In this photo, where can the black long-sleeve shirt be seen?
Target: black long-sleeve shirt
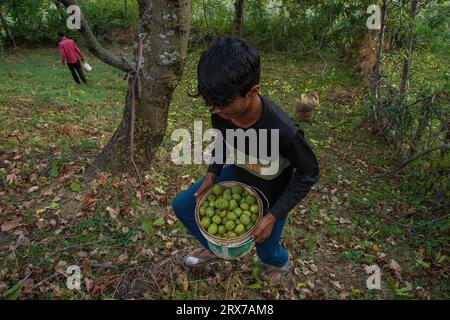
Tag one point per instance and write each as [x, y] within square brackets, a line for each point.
[298, 166]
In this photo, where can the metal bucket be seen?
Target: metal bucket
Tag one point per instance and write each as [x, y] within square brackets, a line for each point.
[229, 249]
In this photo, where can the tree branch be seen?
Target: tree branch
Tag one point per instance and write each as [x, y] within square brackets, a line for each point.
[420, 154]
[95, 47]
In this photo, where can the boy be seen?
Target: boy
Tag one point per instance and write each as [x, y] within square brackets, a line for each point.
[228, 79]
[70, 52]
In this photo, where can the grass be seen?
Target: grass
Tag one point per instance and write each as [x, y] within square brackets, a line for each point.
[50, 129]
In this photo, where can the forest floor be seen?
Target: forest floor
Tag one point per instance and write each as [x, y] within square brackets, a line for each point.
[52, 217]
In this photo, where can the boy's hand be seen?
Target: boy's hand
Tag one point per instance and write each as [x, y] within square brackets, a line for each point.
[210, 179]
[264, 228]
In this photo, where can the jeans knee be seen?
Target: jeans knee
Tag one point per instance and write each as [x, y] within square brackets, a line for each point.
[264, 254]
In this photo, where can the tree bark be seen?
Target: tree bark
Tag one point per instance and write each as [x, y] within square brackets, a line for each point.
[239, 6]
[407, 60]
[163, 28]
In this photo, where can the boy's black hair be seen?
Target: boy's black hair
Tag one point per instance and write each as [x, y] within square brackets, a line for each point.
[228, 69]
[61, 34]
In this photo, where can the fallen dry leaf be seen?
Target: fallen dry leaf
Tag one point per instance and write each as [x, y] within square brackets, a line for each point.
[123, 258]
[344, 220]
[32, 189]
[11, 224]
[185, 283]
[86, 265]
[89, 284]
[113, 213]
[60, 266]
[337, 285]
[46, 192]
[102, 180]
[395, 266]
[169, 245]
[11, 178]
[313, 268]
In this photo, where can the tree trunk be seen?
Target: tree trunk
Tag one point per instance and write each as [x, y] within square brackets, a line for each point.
[164, 27]
[6, 28]
[125, 4]
[407, 60]
[239, 6]
[377, 68]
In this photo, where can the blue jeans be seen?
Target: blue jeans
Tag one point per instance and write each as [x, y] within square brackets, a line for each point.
[270, 252]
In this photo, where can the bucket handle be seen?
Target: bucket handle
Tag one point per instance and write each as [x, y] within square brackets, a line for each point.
[262, 193]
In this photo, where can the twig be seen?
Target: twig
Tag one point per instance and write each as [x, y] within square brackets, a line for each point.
[118, 284]
[46, 280]
[405, 163]
[78, 246]
[156, 282]
[25, 278]
[407, 225]
[432, 98]
[383, 216]
[54, 252]
[135, 88]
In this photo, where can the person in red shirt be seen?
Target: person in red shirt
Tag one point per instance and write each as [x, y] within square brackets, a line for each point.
[70, 53]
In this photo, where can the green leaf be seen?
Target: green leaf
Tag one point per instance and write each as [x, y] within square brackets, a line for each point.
[54, 205]
[334, 199]
[160, 190]
[158, 222]
[422, 263]
[75, 186]
[256, 271]
[54, 172]
[147, 226]
[391, 284]
[402, 292]
[14, 292]
[255, 286]
[315, 211]
[440, 258]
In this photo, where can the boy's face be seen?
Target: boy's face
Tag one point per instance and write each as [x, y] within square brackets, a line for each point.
[239, 106]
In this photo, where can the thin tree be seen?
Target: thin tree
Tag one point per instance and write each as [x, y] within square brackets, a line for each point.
[377, 67]
[6, 28]
[239, 7]
[407, 59]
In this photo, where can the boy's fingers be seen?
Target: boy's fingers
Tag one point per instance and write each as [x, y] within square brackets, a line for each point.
[199, 192]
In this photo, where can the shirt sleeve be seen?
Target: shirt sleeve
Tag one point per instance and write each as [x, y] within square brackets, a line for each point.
[306, 167]
[215, 168]
[78, 51]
